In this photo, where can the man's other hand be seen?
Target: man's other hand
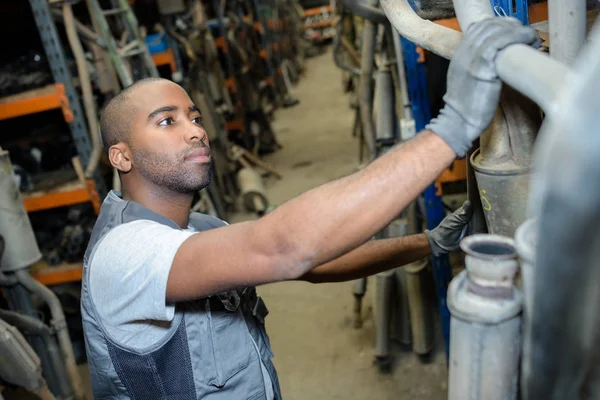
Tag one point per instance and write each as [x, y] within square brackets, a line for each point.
[447, 235]
[473, 87]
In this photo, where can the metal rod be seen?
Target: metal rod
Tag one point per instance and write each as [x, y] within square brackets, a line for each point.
[59, 323]
[365, 94]
[86, 89]
[567, 25]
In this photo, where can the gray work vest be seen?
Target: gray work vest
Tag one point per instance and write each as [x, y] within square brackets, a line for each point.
[209, 355]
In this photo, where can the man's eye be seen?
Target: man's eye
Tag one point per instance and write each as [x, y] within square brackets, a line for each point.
[166, 121]
[197, 120]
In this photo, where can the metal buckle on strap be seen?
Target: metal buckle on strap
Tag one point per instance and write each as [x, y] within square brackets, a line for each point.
[230, 300]
[255, 304]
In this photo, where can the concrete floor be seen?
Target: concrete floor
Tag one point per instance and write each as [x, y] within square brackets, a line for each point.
[318, 353]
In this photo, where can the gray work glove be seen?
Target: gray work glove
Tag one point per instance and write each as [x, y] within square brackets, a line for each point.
[447, 235]
[473, 87]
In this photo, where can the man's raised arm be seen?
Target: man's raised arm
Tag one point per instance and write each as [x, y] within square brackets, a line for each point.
[333, 219]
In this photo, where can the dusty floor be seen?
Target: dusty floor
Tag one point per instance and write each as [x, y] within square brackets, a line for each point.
[318, 353]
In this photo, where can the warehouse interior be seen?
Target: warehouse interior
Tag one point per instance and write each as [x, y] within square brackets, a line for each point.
[294, 95]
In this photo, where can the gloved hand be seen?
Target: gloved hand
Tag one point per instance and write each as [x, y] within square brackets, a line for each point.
[473, 87]
[447, 235]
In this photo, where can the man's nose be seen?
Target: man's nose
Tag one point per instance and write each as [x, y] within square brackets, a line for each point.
[194, 134]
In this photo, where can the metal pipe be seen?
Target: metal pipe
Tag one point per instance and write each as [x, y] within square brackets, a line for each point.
[83, 30]
[562, 360]
[421, 318]
[365, 94]
[384, 104]
[527, 70]
[86, 89]
[367, 11]
[406, 104]
[337, 43]
[384, 285]
[359, 290]
[486, 321]
[534, 74]
[433, 37]
[53, 367]
[469, 12]
[400, 319]
[567, 26]
[59, 324]
[25, 323]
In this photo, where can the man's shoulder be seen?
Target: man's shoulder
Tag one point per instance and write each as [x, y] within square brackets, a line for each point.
[204, 221]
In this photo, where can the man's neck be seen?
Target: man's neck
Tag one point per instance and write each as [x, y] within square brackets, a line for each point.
[173, 205]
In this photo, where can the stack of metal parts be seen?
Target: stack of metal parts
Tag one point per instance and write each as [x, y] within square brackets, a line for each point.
[538, 339]
[28, 71]
[45, 363]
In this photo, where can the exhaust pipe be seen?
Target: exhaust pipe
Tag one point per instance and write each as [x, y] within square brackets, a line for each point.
[502, 164]
[421, 318]
[486, 321]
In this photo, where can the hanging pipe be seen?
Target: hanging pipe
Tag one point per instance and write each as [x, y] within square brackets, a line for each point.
[338, 41]
[384, 286]
[86, 89]
[365, 94]
[527, 70]
[59, 324]
[367, 11]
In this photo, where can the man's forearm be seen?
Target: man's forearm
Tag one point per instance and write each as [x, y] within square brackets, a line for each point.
[333, 219]
[371, 258]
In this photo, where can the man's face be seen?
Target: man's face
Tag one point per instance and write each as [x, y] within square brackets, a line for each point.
[168, 144]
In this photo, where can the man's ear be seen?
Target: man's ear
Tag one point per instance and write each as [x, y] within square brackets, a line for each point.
[120, 157]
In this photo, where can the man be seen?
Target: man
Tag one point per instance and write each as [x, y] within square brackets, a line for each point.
[168, 300]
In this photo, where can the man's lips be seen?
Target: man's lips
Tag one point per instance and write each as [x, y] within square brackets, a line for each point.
[200, 155]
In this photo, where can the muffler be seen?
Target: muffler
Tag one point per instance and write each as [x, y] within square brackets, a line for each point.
[21, 249]
[486, 321]
[502, 164]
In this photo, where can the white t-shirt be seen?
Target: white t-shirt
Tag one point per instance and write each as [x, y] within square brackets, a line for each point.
[128, 283]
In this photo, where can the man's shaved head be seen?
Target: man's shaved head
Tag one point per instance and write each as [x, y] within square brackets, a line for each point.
[153, 134]
[115, 119]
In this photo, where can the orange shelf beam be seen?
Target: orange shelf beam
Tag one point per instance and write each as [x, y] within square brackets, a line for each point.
[318, 25]
[457, 172]
[165, 58]
[63, 273]
[37, 100]
[237, 125]
[317, 10]
[230, 84]
[66, 195]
